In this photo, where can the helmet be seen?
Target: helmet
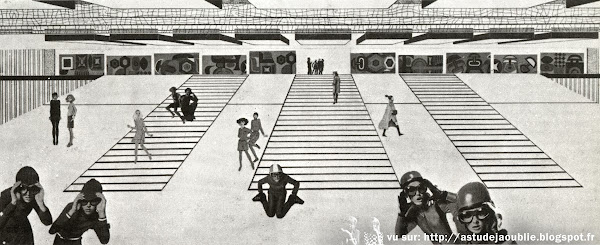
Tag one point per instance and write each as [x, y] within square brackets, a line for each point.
[410, 177]
[275, 168]
[472, 194]
[28, 176]
[90, 188]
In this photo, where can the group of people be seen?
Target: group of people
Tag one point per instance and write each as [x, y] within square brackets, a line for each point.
[247, 138]
[472, 210]
[352, 235]
[87, 211]
[55, 117]
[315, 67]
[188, 103]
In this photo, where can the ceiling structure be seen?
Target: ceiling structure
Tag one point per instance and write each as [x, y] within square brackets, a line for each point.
[231, 16]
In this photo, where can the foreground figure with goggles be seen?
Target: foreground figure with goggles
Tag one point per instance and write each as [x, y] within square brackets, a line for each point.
[87, 211]
[478, 214]
[15, 205]
[276, 204]
[428, 211]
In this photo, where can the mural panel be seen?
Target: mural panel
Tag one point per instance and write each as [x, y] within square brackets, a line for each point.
[176, 63]
[561, 63]
[224, 64]
[373, 63]
[81, 64]
[129, 65]
[518, 63]
[273, 62]
[468, 62]
[420, 63]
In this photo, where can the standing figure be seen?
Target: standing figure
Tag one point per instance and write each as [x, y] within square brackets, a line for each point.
[375, 238]
[322, 65]
[243, 133]
[336, 86]
[478, 214]
[315, 66]
[188, 102]
[140, 134]
[276, 204]
[71, 112]
[55, 116]
[353, 235]
[389, 116]
[309, 64]
[16, 203]
[175, 104]
[87, 211]
[428, 211]
[256, 128]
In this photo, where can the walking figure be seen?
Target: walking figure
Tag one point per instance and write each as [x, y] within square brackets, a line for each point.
[140, 134]
[336, 86]
[243, 133]
[256, 128]
[389, 117]
[175, 104]
[71, 112]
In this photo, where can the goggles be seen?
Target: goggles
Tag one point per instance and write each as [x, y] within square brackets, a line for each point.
[94, 202]
[412, 190]
[480, 213]
[276, 174]
[32, 189]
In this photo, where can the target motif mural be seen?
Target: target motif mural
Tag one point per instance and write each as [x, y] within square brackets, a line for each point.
[561, 63]
[273, 62]
[175, 64]
[373, 63]
[523, 63]
[468, 62]
[129, 65]
[224, 64]
[420, 63]
[81, 64]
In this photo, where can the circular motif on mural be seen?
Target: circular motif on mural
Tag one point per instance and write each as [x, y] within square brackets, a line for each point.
[375, 62]
[287, 69]
[280, 59]
[135, 63]
[389, 62]
[144, 63]
[419, 66]
[125, 61]
[291, 58]
[186, 66]
[114, 63]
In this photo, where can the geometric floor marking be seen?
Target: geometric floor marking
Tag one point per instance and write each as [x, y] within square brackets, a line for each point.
[497, 151]
[170, 145]
[326, 146]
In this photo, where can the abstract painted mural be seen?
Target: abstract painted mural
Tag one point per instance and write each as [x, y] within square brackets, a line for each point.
[129, 65]
[81, 64]
[518, 63]
[468, 62]
[176, 64]
[561, 63]
[273, 62]
[373, 63]
[224, 64]
[420, 63]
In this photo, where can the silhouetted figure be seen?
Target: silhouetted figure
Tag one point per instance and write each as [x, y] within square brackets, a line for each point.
[276, 204]
[55, 116]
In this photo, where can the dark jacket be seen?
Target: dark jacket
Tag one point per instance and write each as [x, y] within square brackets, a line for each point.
[55, 110]
[78, 224]
[278, 187]
[14, 225]
[431, 218]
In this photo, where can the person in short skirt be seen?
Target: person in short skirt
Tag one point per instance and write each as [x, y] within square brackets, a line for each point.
[256, 128]
[243, 133]
[71, 112]
[389, 116]
[140, 134]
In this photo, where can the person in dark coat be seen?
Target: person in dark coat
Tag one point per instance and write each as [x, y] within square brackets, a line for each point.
[86, 212]
[15, 205]
[55, 116]
[188, 102]
[276, 205]
[309, 65]
[175, 96]
[336, 86]
[428, 211]
[479, 215]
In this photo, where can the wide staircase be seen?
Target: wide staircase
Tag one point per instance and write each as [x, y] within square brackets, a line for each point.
[170, 145]
[500, 154]
[323, 145]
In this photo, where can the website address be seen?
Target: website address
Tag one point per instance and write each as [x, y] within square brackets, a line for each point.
[518, 237]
